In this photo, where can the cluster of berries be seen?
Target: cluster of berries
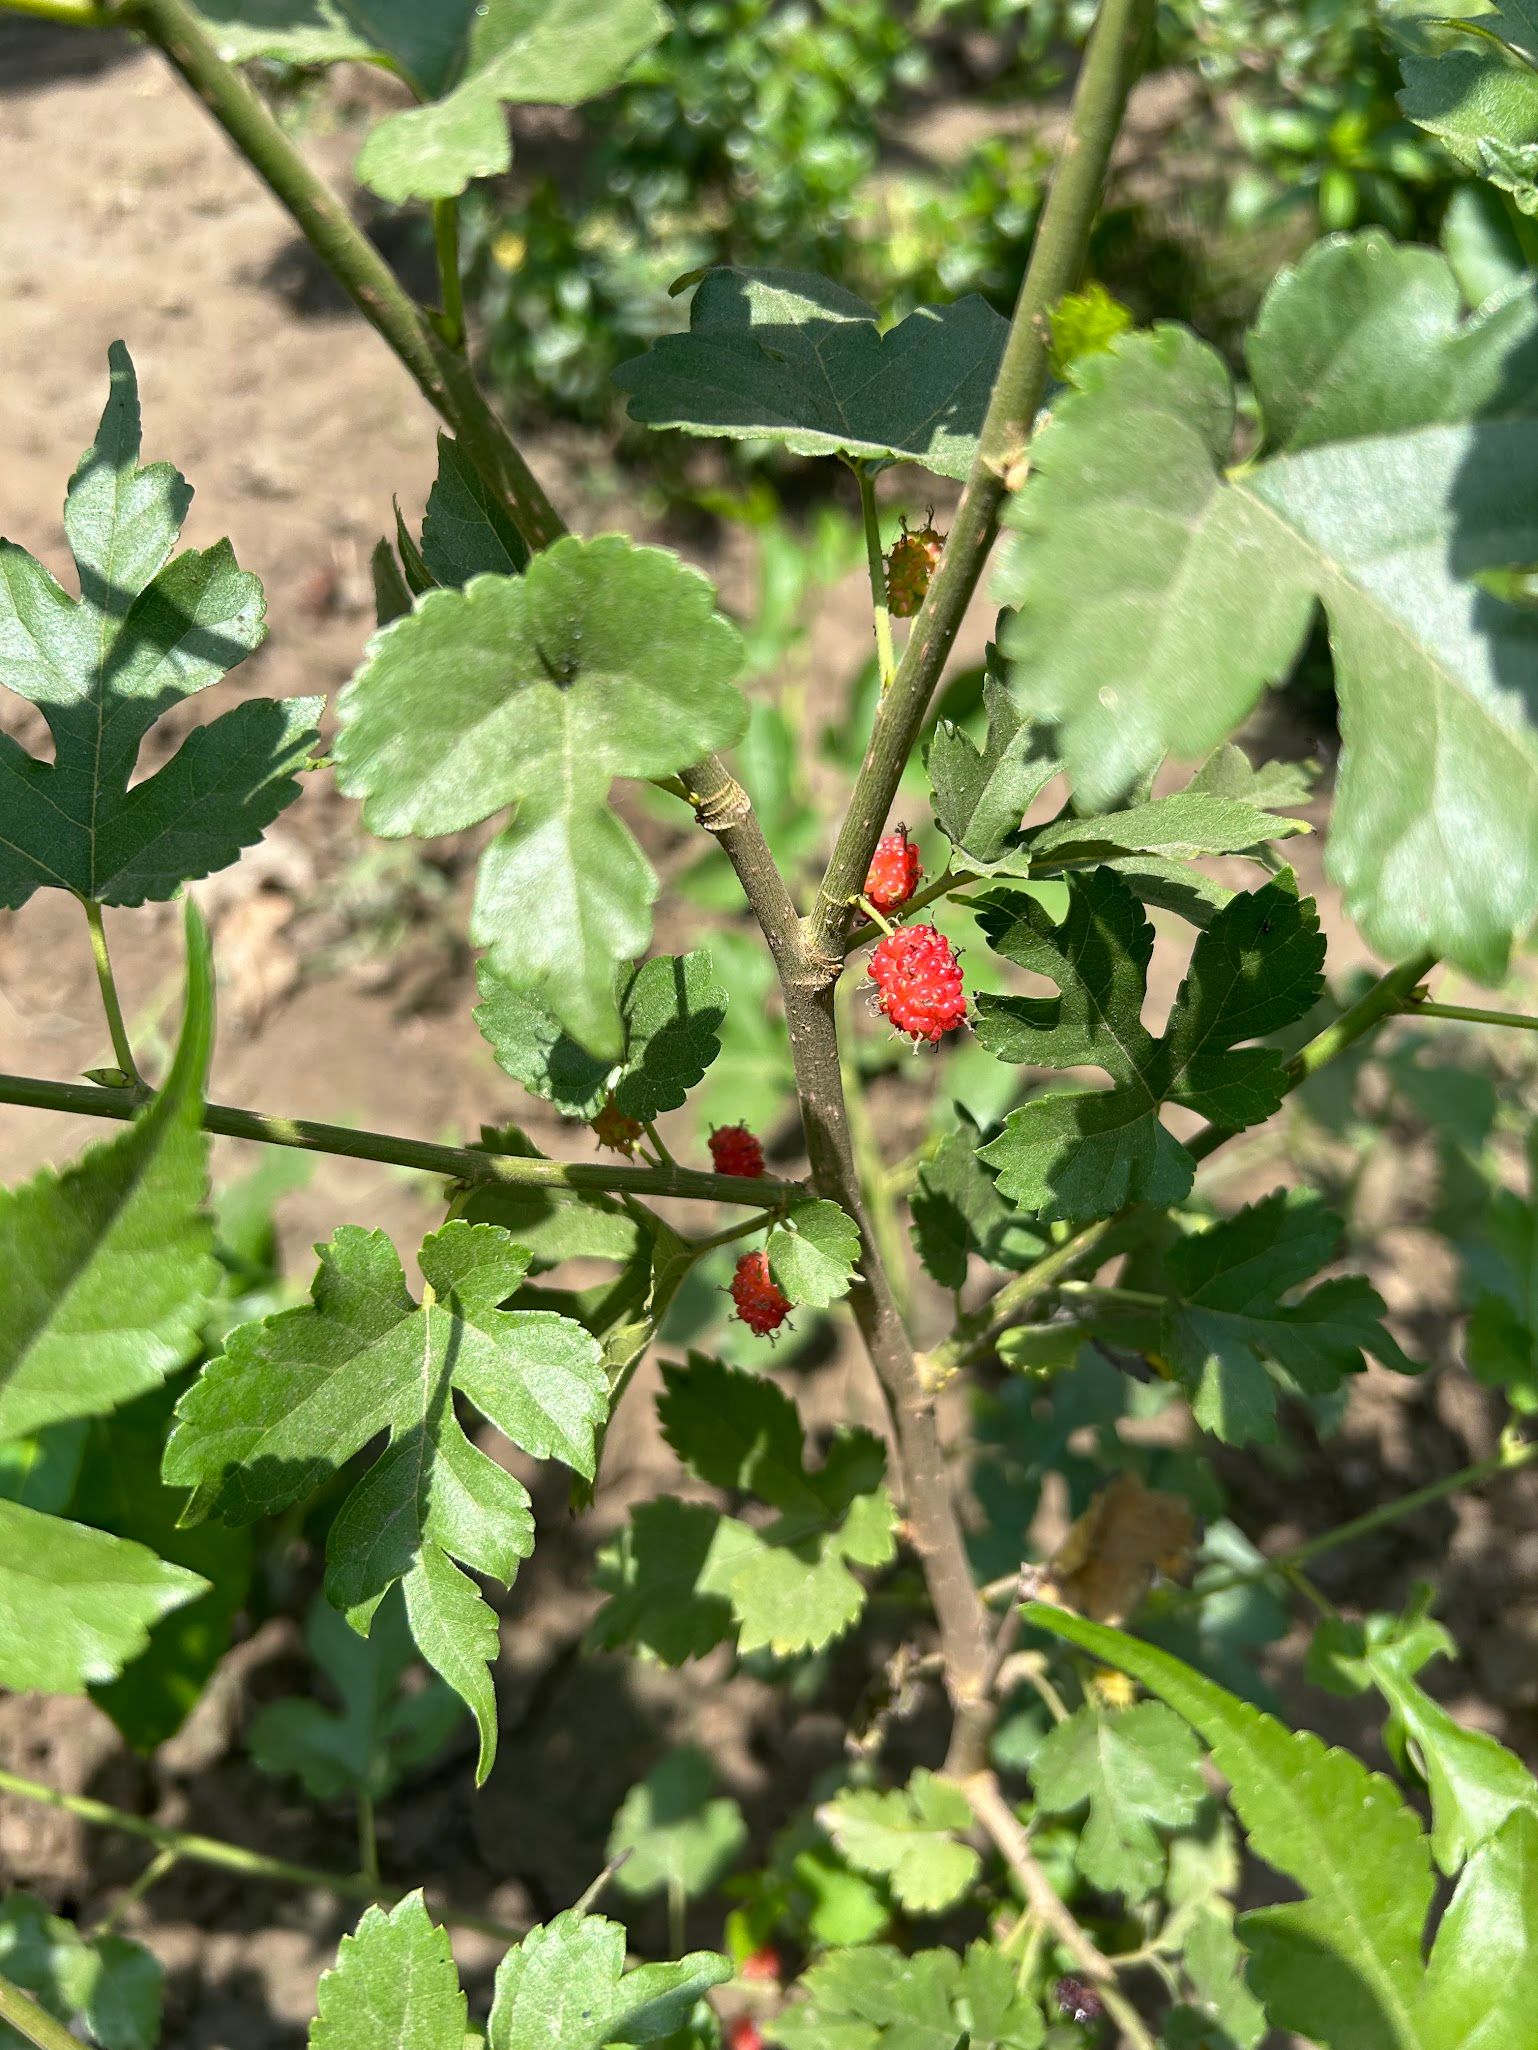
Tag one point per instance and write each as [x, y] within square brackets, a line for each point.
[915, 968]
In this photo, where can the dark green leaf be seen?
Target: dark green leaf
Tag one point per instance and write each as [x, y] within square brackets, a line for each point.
[148, 630]
[1077, 1153]
[957, 1211]
[466, 532]
[1476, 90]
[113, 1986]
[791, 357]
[981, 794]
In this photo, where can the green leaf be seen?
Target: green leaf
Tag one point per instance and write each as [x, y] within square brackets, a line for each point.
[871, 1997]
[565, 1987]
[76, 1606]
[1231, 1335]
[908, 1837]
[1343, 1965]
[1475, 1782]
[671, 1010]
[790, 357]
[377, 1735]
[683, 1575]
[674, 1834]
[111, 1985]
[536, 692]
[1158, 595]
[1482, 1980]
[292, 1399]
[981, 794]
[148, 630]
[1214, 1964]
[957, 1211]
[466, 532]
[1190, 823]
[463, 62]
[119, 1490]
[394, 1986]
[106, 1269]
[1139, 1769]
[1080, 1154]
[1476, 90]
[812, 1252]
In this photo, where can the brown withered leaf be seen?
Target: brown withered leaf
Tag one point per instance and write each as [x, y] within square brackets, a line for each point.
[1107, 1562]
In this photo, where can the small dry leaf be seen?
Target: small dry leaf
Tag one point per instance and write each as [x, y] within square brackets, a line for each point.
[1107, 1562]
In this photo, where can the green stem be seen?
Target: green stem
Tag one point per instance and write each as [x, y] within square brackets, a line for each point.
[442, 374]
[1057, 258]
[368, 1838]
[1511, 1457]
[1104, 1292]
[32, 2021]
[658, 1145]
[1470, 1016]
[121, 1048]
[67, 13]
[458, 1163]
[227, 1857]
[451, 322]
[163, 1862]
[886, 657]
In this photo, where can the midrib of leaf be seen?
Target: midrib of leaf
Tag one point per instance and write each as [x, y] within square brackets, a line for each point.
[1135, 1078]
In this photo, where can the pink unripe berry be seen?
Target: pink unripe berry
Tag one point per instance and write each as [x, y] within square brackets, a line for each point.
[895, 871]
[918, 978]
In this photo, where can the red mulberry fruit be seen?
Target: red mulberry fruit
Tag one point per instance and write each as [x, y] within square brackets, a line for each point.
[761, 1303]
[613, 1129]
[909, 566]
[916, 971]
[895, 871]
[736, 1150]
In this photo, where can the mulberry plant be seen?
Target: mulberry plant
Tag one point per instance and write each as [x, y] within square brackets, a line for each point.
[1023, 1759]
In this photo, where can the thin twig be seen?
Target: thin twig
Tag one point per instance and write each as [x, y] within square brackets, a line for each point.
[1518, 1021]
[451, 292]
[32, 2021]
[886, 658]
[459, 1163]
[228, 1857]
[122, 1048]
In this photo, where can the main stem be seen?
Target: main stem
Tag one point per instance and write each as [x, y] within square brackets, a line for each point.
[121, 1047]
[441, 372]
[1057, 259]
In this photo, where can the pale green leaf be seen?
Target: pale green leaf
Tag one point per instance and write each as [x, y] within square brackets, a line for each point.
[292, 1399]
[147, 630]
[1343, 1965]
[908, 1836]
[106, 1269]
[1475, 88]
[813, 1249]
[1079, 1153]
[464, 60]
[683, 1576]
[1158, 595]
[75, 1604]
[1214, 1963]
[1233, 1330]
[565, 1987]
[791, 357]
[1190, 823]
[1475, 1782]
[675, 1833]
[536, 691]
[1482, 1981]
[1139, 1769]
[394, 1986]
[871, 1997]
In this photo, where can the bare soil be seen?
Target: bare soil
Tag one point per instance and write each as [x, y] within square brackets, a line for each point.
[345, 993]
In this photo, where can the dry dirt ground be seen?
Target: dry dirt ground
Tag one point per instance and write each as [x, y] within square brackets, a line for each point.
[345, 994]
